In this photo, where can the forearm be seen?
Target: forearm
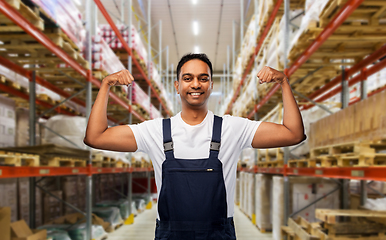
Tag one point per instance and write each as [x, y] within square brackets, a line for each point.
[292, 119]
[97, 122]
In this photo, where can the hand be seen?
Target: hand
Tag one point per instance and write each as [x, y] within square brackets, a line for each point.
[268, 74]
[122, 77]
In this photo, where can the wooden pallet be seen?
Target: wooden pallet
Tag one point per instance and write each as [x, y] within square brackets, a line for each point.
[264, 230]
[330, 215]
[277, 163]
[299, 163]
[343, 148]
[301, 229]
[65, 162]
[32, 15]
[19, 159]
[270, 154]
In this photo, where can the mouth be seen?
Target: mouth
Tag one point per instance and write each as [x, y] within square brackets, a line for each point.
[195, 94]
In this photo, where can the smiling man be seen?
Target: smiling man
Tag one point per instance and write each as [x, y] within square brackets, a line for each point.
[195, 153]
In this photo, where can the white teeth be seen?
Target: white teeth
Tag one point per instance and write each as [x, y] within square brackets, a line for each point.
[195, 94]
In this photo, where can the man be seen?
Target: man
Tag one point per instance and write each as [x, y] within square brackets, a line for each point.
[195, 153]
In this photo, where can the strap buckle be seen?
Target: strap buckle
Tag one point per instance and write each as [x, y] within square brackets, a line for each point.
[168, 146]
[215, 146]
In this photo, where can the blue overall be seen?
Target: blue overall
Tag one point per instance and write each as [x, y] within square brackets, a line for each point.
[192, 202]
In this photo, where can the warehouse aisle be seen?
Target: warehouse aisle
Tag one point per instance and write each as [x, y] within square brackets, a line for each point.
[144, 224]
[245, 230]
[142, 229]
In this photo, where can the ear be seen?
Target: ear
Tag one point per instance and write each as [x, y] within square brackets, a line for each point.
[176, 85]
[211, 85]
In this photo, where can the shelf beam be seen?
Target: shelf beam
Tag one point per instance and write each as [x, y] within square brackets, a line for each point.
[46, 171]
[371, 173]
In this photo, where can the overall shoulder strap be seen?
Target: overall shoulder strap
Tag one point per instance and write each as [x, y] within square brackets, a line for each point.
[167, 137]
[216, 136]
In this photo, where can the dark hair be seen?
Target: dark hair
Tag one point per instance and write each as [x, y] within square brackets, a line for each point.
[191, 56]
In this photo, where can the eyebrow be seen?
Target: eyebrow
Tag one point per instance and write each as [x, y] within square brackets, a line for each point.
[200, 75]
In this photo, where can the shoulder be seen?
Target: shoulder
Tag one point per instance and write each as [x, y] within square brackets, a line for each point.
[234, 120]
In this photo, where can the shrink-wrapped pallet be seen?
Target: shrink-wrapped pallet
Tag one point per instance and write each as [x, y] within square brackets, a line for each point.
[67, 15]
[251, 195]
[109, 36]
[72, 128]
[242, 191]
[313, 8]
[277, 207]
[237, 191]
[263, 199]
[103, 58]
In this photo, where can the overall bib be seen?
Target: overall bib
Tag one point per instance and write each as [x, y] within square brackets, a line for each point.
[192, 202]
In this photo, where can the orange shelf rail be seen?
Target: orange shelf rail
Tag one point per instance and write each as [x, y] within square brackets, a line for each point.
[340, 17]
[373, 173]
[361, 66]
[127, 48]
[25, 96]
[17, 172]
[257, 49]
[29, 28]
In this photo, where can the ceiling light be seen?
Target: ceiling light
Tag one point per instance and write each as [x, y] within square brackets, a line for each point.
[196, 49]
[195, 27]
[194, 2]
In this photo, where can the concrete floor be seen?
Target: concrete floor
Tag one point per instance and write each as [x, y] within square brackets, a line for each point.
[144, 225]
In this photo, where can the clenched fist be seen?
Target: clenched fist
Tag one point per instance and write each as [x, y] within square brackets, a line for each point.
[268, 74]
[122, 77]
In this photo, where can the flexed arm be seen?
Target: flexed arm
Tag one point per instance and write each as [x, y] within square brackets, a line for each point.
[98, 134]
[291, 132]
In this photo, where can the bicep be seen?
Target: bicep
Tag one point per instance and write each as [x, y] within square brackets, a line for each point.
[272, 135]
[118, 138]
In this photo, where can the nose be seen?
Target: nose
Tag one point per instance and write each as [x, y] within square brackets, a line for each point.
[196, 83]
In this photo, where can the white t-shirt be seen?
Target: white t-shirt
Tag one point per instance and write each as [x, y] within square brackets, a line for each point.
[193, 142]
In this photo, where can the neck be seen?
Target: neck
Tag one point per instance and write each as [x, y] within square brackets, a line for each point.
[193, 116]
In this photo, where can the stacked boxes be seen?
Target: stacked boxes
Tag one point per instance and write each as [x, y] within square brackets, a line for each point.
[263, 199]
[8, 196]
[7, 122]
[81, 187]
[52, 207]
[303, 191]
[110, 38]
[103, 58]
[23, 199]
[362, 121]
[70, 193]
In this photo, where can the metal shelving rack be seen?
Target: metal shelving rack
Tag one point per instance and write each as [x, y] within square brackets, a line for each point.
[344, 173]
[89, 171]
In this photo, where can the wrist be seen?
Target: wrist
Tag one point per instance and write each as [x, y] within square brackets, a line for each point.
[285, 81]
[105, 83]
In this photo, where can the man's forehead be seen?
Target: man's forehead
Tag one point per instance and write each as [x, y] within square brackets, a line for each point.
[195, 64]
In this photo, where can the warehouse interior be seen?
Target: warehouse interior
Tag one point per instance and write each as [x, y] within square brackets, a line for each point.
[54, 55]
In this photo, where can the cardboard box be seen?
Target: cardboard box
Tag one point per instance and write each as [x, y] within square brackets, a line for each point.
[5, 223]
[52, 207]
[21, 231]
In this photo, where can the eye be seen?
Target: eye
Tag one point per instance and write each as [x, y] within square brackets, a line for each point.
[187, 78]
[204, 79]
